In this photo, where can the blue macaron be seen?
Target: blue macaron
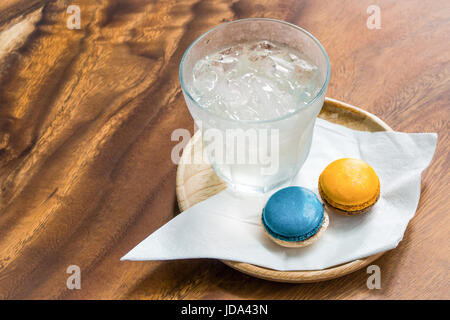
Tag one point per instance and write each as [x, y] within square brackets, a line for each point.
[294, 217]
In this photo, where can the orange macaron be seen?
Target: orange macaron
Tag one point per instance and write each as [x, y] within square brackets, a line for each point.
[349, 186]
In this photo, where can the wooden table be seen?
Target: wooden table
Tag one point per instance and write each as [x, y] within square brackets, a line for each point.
[86, 118]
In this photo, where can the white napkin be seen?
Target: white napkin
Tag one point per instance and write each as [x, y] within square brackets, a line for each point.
[227, 226]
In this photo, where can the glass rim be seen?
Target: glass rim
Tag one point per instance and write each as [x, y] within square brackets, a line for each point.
[286, 116]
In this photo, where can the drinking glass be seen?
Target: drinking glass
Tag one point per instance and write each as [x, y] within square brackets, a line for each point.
[288, 138]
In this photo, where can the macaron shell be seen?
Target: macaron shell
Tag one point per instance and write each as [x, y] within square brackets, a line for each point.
[306, 242]
[349, 184]
[349, 210]
[293, 214]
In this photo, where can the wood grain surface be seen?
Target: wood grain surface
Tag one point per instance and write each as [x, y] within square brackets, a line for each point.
[86, 118]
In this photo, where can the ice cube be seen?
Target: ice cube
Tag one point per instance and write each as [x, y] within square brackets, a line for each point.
[304, 69]
[226, 63]
[263, 46]
[232, 51]
[204, 76]
[262, 50]
[259, 80]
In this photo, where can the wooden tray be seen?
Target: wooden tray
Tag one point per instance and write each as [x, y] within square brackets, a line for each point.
[197, 182]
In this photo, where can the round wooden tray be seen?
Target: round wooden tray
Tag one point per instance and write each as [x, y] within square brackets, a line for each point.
[197, 182]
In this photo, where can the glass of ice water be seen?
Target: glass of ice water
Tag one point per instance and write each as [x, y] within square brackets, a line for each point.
[254, 88]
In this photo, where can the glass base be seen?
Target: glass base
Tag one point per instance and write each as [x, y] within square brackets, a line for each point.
[252, 189]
